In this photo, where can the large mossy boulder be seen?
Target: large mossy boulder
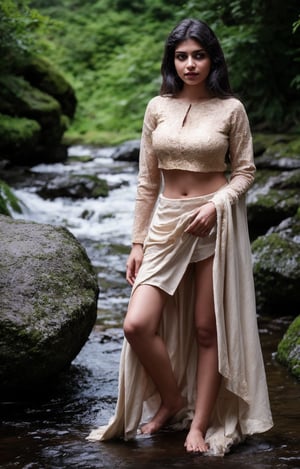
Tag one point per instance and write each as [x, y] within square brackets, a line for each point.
[48, 295]
[36, 104]
[19, 99]
[274, 197]
[274, 223]
[288, 352]
[276, 268]
[41, 74]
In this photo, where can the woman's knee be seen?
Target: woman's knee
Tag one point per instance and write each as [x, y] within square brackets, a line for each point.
[144, 312]
[206, 336]
[131, 328]
[135, 326]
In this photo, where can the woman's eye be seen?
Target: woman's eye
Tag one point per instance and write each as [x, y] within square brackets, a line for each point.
[180, 56]
[196, 56]
[200, 56]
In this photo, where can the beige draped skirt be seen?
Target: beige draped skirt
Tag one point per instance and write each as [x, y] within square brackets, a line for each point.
[242, 406]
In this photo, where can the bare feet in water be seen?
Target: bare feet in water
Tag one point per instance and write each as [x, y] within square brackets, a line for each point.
[195, 442]
[162, 416]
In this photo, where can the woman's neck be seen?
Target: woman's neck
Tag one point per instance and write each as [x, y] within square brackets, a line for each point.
[193, 94]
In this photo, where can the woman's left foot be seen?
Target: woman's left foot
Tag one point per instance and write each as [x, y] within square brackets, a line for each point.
[195, 442]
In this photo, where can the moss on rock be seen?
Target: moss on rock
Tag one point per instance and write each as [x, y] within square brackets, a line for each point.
[42, 74]
[268, 209]
[16, 132]
[285, 144]
[41, 133]
[276, 268]
[290, 181]
[49, 294]
[277, 151]
[18, 97]
[288, 352]
[34, 90]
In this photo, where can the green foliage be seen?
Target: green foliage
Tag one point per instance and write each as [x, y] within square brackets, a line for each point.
[265, 62]
[18, 24]
[110, 50]
[8, 201]
[296, 80]
[296, 25]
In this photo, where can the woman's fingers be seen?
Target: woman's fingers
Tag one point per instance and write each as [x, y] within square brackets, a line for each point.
[133, 264]
[202, 221]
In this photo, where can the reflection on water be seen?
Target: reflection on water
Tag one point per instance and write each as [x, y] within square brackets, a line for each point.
[48, 429]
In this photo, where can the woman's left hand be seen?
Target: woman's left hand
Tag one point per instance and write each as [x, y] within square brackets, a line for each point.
[203, 220]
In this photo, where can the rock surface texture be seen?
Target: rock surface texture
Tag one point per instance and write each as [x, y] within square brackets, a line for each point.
[289, 348]
[48, 292]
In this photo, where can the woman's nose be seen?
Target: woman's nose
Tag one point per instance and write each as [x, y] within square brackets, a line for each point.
[190, 62]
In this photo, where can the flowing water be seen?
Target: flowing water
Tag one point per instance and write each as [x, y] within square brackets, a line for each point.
[48, 429]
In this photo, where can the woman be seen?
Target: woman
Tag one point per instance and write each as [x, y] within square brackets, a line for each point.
[191, 353]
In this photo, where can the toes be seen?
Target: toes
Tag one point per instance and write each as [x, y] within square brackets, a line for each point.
[196, 446]
[191, 448]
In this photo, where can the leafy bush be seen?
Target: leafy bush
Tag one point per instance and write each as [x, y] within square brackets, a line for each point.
[18, 24]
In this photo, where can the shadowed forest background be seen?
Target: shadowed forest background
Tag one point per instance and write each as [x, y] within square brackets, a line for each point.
[110, 51]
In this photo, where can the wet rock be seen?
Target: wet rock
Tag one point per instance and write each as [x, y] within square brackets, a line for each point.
[276, 268]
[277, 162]
[271, 209]
[128, 151]
[274, 197]
[49, 296]
[281, 151]
[287, 180]
[288, 352]
[74, 186]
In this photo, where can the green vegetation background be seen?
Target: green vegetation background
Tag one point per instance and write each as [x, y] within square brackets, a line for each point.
[110, 51]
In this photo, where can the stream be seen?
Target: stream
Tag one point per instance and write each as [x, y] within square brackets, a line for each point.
[48, 430]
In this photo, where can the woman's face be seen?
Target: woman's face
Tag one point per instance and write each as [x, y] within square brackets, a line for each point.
[192, 62]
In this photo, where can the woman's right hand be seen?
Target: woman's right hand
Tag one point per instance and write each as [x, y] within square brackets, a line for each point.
[134, 262]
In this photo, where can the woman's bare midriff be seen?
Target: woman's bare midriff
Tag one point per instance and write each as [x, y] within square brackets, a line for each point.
[183, 184]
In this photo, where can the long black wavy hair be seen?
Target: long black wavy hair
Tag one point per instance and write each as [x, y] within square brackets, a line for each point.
[217, 81]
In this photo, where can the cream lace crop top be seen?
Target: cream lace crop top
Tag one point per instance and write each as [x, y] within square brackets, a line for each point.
[192, 137]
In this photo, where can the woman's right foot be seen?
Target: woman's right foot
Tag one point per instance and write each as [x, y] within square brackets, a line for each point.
[162, 416]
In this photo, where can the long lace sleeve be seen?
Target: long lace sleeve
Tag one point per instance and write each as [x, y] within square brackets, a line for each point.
[149, 179]
[241, 158]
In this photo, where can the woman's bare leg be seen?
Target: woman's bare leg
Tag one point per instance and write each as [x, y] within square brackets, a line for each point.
[140, 329]
[208, 377]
